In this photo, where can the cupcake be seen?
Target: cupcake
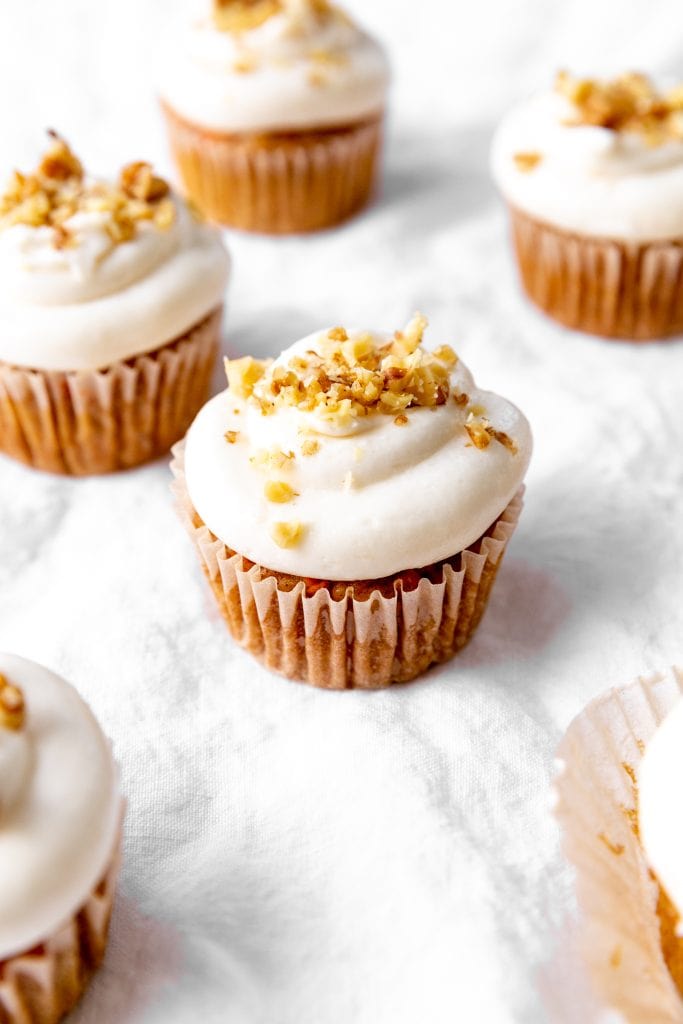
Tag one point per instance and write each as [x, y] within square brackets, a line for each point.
[661, 832]
[274, 111]
[110, 311]
[620, 766]
[60, 818]
[592, 173]
[351, 502]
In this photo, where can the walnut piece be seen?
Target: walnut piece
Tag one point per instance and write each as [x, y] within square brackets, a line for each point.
[279, 492]
[310, 448]
[629, 103]
[12, 708]
[231, 436]
[287, 535]
[243, 15]
[58, 190]
[527, 161]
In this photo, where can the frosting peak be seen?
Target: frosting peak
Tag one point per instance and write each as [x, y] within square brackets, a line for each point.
[354, 455]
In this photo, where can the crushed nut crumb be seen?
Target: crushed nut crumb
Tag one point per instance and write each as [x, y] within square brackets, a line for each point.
[310, 448]
[58, 190]
[12, 708]
[271, 459]
[401, 420]
[231, 436]
[279, 492]
[481, 432]
[527, 161]
[243, 15]
[628, 103]
[287, 535]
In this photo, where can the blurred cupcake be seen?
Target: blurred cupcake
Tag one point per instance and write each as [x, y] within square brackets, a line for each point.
[275, 111]
[60, 817]
[620, 766]
[351, 503]
[110, 309]
[592, 173]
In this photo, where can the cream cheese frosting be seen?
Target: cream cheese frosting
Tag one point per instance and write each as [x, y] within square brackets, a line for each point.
[659, 806]
[369, 496]
[87, 299]
[585, 178]
[300, 69]
[59, 807]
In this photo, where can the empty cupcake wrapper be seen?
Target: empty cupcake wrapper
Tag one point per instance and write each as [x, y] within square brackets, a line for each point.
[98, 421]
[601, 286]
[348, 643]
[44, 984]
[277, 183]
[619, 929]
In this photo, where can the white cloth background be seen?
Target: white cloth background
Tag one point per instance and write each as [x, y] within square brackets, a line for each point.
[298, 857]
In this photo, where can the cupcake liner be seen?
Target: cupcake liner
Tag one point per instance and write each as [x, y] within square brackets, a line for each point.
[45, 983]
[363, 639]
[98, 421]
[601, 286]
[277, 183]
[622, 925]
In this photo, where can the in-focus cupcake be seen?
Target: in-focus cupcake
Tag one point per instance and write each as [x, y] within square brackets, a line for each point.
[592, 173]
[111, 296]
[60, 819]
[351, 502]
[275, 111]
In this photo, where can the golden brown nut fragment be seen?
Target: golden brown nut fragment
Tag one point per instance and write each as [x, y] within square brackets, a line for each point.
[243, 15]
[279, 492]
[12, 708]
[138, 181]
[310, 448]
[287, 535]
[629, 103]
[527, 161]
[231, 436]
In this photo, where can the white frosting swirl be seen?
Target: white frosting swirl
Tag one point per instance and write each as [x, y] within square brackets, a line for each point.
[374, 500]
[92, 304]
[305, 73]
[59, 808]
[589, 180]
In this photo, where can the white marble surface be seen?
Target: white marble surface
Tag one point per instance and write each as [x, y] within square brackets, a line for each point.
[295, 857]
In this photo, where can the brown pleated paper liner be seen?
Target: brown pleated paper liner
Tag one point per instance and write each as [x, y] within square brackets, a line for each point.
[45, 983]
[614, 289]
[363, 639]
[277, 183]
[625, 922]
[98, 421]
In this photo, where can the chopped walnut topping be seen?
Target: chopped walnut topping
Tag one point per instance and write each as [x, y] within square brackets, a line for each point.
[349, 378]
[527, 161]
[12, 708]
[279, 492]
[271, 460]
[287, 535]
[401, 420]
[243, 15]
[58, 190]
[629, 103]
[481, 433]
[231, 436]
[244, 373]
[310, 448]
[460, 398]
[328, 58]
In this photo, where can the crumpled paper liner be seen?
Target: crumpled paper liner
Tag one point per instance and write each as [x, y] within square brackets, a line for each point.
[597, 809]
[45, 983]
[609, 288]
[277, 183]
[348, 643]
[98, 421]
